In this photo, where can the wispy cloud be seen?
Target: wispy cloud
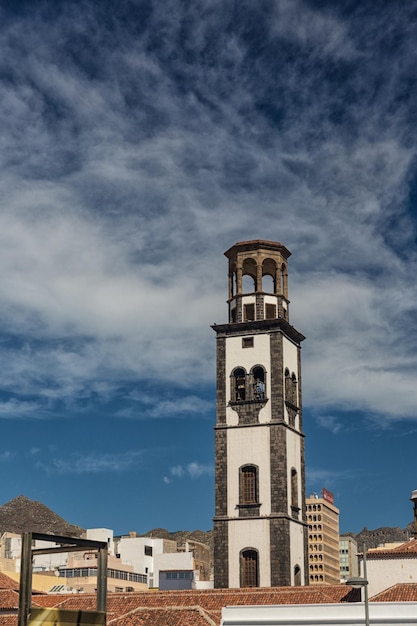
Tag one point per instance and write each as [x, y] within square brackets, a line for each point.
[7, 455]
[14, 408]
[192, 470]
[131, 161]
[92, 463]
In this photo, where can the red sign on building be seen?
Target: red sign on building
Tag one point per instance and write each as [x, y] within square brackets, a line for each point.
[327, 495]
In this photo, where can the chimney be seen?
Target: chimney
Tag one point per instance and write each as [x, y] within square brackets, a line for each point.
[414, 501]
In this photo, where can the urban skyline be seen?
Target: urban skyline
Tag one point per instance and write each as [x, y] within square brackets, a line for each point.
[140, 141]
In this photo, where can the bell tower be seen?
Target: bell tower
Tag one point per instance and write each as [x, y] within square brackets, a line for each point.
[260, 537]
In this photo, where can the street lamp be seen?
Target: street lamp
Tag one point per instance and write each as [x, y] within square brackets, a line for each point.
[358, 581]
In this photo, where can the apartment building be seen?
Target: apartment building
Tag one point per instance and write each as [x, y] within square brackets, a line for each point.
[323, 539]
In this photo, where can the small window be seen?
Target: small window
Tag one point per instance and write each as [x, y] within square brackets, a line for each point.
[270, 311]
[249, 312]
[148, 550]
[247, 342]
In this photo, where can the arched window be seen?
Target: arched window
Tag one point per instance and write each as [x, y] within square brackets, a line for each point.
[268, 284]
[297, 576]
[249, 568]
[248, 485]
[258, 382]
[295, 509]
[290, 388]
[269, 270]
[249, 276]
[239, 385]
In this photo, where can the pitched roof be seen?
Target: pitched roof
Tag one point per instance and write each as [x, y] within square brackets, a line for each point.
[9, 599]
[8, 583]
[195, 608]
[401, 592]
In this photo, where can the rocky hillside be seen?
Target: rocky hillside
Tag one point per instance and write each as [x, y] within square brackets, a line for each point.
[384, 534]
[24, 515]
[203, 536]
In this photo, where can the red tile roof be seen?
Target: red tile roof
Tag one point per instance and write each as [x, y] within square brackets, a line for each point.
[8, 583]
[9, 599]
[401, 592]
[195, 608]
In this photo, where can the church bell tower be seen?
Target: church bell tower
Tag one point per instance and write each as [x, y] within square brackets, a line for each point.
[259, 528]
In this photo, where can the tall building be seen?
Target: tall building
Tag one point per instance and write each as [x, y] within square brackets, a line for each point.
[348, 550]
[323, 539]
[260, 536]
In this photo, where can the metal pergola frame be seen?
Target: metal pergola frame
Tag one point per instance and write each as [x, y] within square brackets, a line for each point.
[68, 544]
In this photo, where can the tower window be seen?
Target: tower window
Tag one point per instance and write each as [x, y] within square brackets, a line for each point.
[248, 484]
[270, 311]
[258, 377]
[247, 342]
[291, 388]
[294, 493]
[249, 310]
[249, 568]
[239, 385]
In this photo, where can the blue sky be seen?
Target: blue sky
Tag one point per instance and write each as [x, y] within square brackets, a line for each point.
[142, 139]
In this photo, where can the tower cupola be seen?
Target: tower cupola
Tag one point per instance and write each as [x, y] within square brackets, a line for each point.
[258, 281]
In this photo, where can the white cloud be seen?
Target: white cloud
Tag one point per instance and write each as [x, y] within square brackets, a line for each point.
[6, 455]
[123, 186]
[192, 470]
[92, 463]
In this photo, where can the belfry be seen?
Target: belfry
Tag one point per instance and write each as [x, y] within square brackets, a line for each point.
[260, 537]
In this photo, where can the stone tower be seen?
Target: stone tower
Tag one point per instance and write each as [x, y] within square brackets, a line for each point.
[260, 536]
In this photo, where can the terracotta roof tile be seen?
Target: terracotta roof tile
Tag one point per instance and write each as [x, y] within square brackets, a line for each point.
[8, 583]
[8, 619]
[401, 592]
[9, 599]
[195, 608]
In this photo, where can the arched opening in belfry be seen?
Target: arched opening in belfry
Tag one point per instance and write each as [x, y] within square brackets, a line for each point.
[269, 270]
[239, 385]
[249, 276]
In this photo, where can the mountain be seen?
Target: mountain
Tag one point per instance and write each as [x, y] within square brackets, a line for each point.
[203, 536]
[24, 515]
[384, 534]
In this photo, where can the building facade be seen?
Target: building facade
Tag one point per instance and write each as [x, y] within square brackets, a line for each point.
[387, 566]
[323, 539]
[348, 550]
[259, 524]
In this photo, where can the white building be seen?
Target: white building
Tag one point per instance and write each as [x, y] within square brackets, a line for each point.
[346, 614]
[388, 566]
[141, 552]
